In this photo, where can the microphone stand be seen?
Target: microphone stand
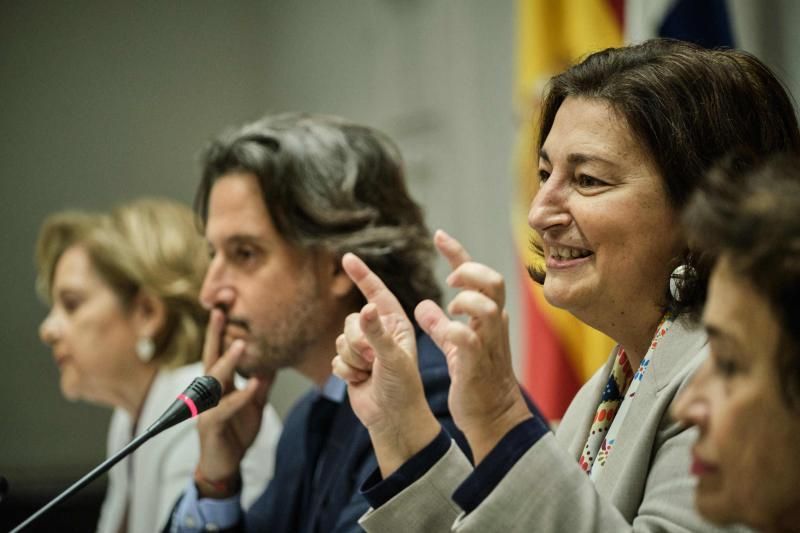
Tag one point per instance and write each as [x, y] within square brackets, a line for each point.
[88, 478]
[203, 393]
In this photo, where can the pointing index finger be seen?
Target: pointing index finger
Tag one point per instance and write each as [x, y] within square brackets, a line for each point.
[370, 285]
[451, 249]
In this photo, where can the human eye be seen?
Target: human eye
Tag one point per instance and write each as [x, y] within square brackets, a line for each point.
[724, 365]
[544, 175]
[71, 303]
[244, 253]
[586, 181]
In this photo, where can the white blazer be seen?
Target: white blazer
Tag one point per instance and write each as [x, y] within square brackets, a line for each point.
[149, 482]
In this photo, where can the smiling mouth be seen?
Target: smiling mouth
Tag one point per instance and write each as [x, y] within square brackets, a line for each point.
[560, 255]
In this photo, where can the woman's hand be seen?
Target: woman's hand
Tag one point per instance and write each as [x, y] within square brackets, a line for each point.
[485, 399]
[377, 356]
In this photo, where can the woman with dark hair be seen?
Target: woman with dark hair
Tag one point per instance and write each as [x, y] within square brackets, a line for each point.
[745, 398]
[626, 137]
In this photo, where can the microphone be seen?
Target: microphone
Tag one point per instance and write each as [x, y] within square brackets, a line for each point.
[203, 393]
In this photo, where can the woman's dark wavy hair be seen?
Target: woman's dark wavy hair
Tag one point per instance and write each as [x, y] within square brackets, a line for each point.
[688, 106]
[332, 185]
[750, 213]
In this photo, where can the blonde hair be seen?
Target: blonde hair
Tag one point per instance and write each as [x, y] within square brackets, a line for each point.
[150, 245]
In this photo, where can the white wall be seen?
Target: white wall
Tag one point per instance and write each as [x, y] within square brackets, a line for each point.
[104, 101]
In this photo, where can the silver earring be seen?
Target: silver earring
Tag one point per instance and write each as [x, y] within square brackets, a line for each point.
[678, 279]
[145, 349]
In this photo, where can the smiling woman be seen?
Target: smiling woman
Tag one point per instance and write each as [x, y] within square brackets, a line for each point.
[595, 179]
[745, 399]
[625, 139]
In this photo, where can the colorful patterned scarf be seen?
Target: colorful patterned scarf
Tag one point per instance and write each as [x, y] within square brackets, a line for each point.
[615, 402]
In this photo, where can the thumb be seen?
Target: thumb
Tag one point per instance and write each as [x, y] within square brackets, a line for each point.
[386, 348]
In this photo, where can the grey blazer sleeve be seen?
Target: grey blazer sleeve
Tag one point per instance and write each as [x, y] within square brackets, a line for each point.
[546, 491]
[644, 487]
[426, 505]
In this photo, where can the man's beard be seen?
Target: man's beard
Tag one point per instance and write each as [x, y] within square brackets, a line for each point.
[289, 338]
[263, 358]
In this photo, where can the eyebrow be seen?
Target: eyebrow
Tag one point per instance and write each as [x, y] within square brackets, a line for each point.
[61, 293]
[239, 239]
[717, 333]
[576, 158]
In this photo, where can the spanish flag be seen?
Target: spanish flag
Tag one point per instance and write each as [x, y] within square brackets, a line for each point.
[560, 351]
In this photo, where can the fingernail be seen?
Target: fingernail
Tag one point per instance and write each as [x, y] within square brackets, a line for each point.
[237, 345]
[368, 354]
[370, 311]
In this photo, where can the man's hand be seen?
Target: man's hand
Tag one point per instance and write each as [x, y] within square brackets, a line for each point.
[377, 356]
[228, 430]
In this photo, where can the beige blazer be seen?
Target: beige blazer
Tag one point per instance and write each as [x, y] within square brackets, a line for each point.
[645, 486]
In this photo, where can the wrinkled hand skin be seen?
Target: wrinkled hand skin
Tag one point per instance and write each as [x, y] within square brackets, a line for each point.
[485, 399]
[377, 357]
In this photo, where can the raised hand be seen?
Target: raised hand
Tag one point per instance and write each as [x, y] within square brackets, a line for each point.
[228, 430]
[377, 356]
[485, 399]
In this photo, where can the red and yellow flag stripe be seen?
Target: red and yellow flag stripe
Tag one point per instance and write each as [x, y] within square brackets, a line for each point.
[560, 352]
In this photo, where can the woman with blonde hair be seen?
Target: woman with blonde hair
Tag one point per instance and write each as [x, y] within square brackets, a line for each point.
[127, 330]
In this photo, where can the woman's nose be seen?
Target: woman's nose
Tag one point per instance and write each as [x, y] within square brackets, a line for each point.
[49, 330]
[691, 406]
[548, 207]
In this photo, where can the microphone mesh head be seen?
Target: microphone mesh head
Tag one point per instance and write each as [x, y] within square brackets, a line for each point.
[205, 391]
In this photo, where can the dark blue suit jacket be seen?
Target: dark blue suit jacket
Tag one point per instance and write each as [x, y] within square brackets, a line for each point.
[346, 462]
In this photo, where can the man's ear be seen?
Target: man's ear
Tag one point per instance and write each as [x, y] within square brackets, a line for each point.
[149, 313]
[341, 284]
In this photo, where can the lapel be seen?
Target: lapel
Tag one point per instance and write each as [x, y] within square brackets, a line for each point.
[674, 352]
[144, 473]
[574, 428]
[335, 461]
[284, 507]
[679, 348]
[672, 355]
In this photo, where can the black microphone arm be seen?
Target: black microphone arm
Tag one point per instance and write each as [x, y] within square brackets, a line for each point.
[202, 394]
